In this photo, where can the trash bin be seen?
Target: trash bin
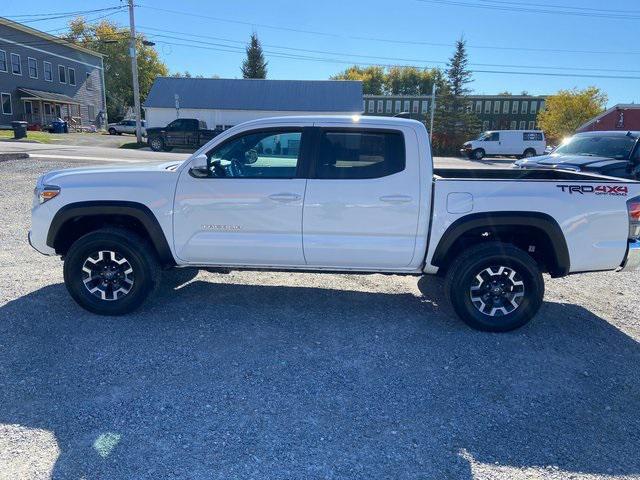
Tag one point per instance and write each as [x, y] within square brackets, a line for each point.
[65, 127]
[57, 127]
[19, 129]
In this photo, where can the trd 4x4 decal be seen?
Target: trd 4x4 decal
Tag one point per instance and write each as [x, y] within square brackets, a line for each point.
[617, 190]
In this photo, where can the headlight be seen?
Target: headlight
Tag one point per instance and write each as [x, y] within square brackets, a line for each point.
[44, 193]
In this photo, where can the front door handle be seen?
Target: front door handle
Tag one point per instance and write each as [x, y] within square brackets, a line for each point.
[396, 199]
[285, 197]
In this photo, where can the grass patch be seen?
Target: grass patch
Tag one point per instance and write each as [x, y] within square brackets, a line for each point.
[133, 145]
[39, 137]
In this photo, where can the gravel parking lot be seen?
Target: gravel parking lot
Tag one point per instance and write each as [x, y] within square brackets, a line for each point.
[306, 376]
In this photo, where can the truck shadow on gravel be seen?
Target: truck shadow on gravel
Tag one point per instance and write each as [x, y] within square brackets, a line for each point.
[248, 381]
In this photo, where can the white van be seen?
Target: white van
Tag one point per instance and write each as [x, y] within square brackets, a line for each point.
[497, 143]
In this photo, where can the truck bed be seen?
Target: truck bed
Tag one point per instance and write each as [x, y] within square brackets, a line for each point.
[520, 174]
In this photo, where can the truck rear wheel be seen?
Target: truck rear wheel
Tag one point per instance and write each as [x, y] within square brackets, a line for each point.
[494, 287]
[110, 271]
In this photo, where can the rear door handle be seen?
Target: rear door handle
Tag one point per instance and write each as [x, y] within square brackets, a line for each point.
[285, 197]
[396, 199]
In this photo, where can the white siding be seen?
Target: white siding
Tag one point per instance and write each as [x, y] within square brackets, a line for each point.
[160, 117]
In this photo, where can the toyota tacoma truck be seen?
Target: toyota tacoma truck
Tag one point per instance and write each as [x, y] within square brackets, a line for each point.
[334, 194]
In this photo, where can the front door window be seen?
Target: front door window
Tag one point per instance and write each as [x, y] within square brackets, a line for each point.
[262, 154]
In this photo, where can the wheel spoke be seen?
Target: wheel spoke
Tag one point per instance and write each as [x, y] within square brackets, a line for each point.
[497, 290]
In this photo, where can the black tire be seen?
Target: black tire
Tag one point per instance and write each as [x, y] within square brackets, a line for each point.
[112, 131]
[528, 153]
[156, 144]
[138, 255]
[478, 154]
[470, 272]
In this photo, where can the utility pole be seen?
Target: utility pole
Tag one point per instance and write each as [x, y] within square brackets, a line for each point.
[433, 111]
[134, 71]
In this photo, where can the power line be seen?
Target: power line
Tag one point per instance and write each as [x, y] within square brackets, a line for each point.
[438, 62]
[232, 49]
[76, 12]
[512, 7]
[548, 5]
[392, 41]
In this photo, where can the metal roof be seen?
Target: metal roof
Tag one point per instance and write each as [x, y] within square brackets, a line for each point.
[254, 94]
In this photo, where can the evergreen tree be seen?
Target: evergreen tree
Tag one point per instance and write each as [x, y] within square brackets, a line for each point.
[254, 65]
[455, 120]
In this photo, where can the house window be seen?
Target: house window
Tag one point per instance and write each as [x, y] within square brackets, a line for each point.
[62, 74]
[379, 106]
[425, 106]
[91, 112]
[407, 105]
[485, 125]
[7, 109]
[16, 66]
[47, 109]
[388, 105]
[496, 106]
[371, 102]
[72, 77]
[398, 106]
[487, 106]
[48, 71]
[479, 106]
[525, 107]
[505, 106]
[515, 106]
[534, 107]
[3, 61]
[542, 103]
[33, 67]
[523, 124]
[513, 125]
[415, 106]
[532, 125]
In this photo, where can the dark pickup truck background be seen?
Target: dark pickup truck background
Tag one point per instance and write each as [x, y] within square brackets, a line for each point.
[182, 132]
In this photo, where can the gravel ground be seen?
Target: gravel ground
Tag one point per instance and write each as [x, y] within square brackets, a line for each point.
[291, 376]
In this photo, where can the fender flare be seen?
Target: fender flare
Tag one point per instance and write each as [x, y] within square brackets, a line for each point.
[140, 212]
[494, 221]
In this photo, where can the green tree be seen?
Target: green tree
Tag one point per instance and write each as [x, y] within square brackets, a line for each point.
[411, 80]
[455, 121]
[254, 66]
[112, 41]
[372, 78]
[565, 111]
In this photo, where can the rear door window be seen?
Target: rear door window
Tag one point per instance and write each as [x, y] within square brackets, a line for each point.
[360, 154]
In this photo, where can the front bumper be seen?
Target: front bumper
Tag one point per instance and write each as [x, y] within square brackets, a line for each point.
[465, 151]
[631, 260]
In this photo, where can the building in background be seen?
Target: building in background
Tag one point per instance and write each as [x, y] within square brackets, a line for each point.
[223, 103]
[43, 77]
[495, 112]
[619, 117]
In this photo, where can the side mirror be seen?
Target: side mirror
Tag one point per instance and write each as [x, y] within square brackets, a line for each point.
[200, 166]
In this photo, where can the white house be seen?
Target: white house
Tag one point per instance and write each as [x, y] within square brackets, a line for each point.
[223, 103]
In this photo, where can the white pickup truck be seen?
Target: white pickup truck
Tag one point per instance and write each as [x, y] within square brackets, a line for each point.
[334, 194]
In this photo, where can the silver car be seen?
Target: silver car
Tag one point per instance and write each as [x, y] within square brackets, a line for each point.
[126, 126]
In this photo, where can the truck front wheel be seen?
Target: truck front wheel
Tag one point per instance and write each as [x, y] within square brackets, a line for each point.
[156, 144]
[494, 287]
[110, 271]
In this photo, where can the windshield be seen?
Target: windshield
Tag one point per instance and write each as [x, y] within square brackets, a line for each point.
[617, 146]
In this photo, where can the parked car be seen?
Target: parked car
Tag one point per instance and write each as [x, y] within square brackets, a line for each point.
[126, 126]
[615, 154]
[334, 194]
[501, 143]
[182, 133]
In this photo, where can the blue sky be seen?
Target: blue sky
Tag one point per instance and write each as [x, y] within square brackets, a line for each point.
[416, 32]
